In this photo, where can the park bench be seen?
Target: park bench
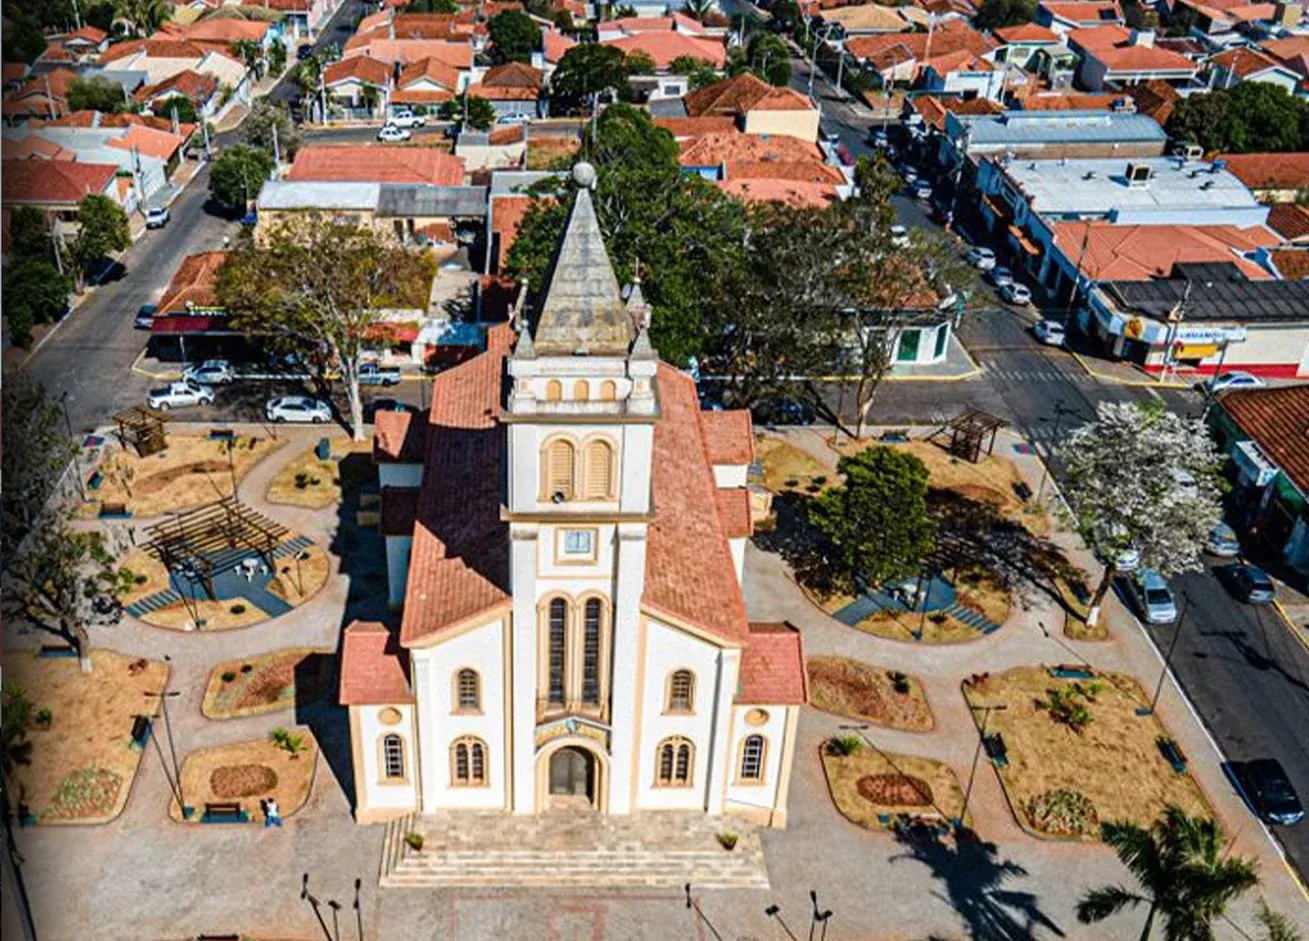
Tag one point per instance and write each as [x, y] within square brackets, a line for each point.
[114, 511]
[57, 650]
[95, 481]
[1072, 673]
[224, 813]
[1172, 753]
[141, 726]
[221, 434]
[996, 749]
[894, 436]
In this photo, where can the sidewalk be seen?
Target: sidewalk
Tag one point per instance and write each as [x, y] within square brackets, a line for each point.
[1123, 373]
[957, 366]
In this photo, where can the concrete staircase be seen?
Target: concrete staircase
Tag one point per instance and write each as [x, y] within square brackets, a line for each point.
[647, 850]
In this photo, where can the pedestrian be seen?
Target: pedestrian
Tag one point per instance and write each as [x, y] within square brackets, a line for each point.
[227, 242]
[272, 814]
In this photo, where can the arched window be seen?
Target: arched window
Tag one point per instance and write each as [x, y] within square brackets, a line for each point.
[468, 691]
[676, 759]
[560, 459]
[554, 390]
[581, 390]
[468, 763]
[393, 756]
[599, 480]
[681, 691]
[608, 390]
[753, 750]
[592, 619]
[558, 645]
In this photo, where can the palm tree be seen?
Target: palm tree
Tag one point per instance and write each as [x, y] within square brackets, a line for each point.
[1277, 925]
[698, 9]
[250, 53]
[1184, 875]
[370, 96]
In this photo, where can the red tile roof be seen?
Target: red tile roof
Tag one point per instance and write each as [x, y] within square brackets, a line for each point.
[1293, 263]
[199, 88]
[399, 437]
[1275, 419]
[226, 30]
[34, 147]
[513, 81]
[1071, 101]
[149, 141]
[555, 44]
[507, 214]
[729, 436]
[195, 281]
[734, 512]
[358, 69]
[88, 34]
[376, 163]
[1270, 171]
[155, 49]
[432, 69]
[795, 193]
[53, 181]
[1141, 252]
[1027, 32]
[373, 667]
[743, 93]
[1155, 99]
[1290, 221]
[663, 48]
[710, 150]
[773, 667]
[888, 49]
[399, 511]
[456, 54]
[1244, 61]
[682, 128]
[1085, 11]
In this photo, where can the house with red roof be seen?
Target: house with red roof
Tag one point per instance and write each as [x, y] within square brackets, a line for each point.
[55, 186]
[1078, 14]
[756, 107]
[512, 88]
[201, 90]
[1273, 177]
[425, 85]
[572, 633]
[665, 46]
[1247, 64]
[40, 96]
[75, 48]
[898, 57]
[1117, 56]
[376, 163]
[358, 82]
[1019, 44]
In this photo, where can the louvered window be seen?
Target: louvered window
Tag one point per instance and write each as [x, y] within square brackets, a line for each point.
[559, 459]
[599, 470]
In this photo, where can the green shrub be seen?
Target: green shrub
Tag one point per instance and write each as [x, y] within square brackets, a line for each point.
[237, 609]
[414, 841]
[228, 676]
[845, 745]
[728, 840]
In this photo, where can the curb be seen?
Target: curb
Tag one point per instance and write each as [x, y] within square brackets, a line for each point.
[173, 375]
[1137, 383]
[1290, 625]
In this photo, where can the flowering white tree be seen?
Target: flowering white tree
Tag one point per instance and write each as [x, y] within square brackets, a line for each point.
[1141, 477]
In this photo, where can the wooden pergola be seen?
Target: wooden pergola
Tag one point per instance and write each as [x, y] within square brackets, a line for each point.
[968, 431]
[213, 538]
[141, 429]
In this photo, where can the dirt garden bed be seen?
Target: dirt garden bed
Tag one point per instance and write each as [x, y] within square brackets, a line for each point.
[869, 693]
[1063, 783]
[296, 581]
[267, 683]
[309, 482]
[880, 790]
[789, 468]
[247, 772]
[82, 764]
[192, 470]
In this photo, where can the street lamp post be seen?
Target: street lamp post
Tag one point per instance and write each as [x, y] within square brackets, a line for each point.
[1168, 656]
[817, 917]
[163, 698]
[977, 753]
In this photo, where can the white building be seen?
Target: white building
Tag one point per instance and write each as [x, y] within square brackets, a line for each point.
[566, 534]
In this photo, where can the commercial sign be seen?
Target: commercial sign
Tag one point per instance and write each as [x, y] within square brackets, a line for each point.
[1155, 333]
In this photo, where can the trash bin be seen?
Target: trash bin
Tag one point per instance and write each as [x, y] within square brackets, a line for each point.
[324, 449]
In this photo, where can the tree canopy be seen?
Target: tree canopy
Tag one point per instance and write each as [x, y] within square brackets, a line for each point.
[257, 128]
[585, 70]
[431, 6]
[35, 293]
[1252, 117]
[237, 175]
[514, 36]
[876, 522]
[481, 113]
[700, 71]
[639, 63]
[102, 228]
[315, 286]
[997, 14]
[28, 235]
[183, 106]
[766, 55]
[96, 94]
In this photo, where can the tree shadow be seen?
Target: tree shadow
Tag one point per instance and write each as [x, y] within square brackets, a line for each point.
[801, 546]
[973, 879]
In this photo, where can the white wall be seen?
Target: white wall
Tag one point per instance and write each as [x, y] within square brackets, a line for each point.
[397, 568]
[669, 649]
[761, 796]
[737, 546]
[731, 475]
[434, 672]
[399, 475]
[377, 793]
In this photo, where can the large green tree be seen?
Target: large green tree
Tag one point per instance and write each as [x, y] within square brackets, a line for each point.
[876, 521]
[445, 7]
[96, 94]
[481, 113]
[316, 286]
[35, 293]
[997, 14]
[237, 175]
[1253, 117]
[36, 450]
[179, 105]
[766, 55]
[587, 70]
[514, 36]
[265, 118]
[1185, 876]
[700, 71]
[29, 237]
[102, 228]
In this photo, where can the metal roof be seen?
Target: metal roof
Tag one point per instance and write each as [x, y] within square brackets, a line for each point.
[1242, 301]
[420, 199]
[516, 182]
[1054, 127]
[296, 194]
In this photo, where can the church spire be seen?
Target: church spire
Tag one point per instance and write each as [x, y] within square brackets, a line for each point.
[582, 312]
[637, 308]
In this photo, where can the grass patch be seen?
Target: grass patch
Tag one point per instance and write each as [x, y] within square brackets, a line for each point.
[1076, 612]
[83, 765]
[266, 683]
[309, 482]
[191, 471]
[228, 773]
[879, 790]
[863, 691]
[1113, 762]
[550, 153]
[790, 468]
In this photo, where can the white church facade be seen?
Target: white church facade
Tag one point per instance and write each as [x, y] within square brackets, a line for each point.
[565, 537]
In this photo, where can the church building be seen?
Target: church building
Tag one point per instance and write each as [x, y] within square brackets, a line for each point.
[565, 539]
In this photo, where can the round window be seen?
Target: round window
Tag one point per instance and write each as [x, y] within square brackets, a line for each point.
[389, 716]
[756, 717]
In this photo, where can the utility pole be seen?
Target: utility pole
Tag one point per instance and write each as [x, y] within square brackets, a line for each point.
[1168, 657]
[981, 741]
[277, 150]
[1175, 318]
[163, 698]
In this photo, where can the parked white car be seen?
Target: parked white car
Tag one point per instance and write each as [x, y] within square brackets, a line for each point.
[981, 258]
[1155, 597]
[514, 119]
[1049, 332]
[1233, 380]
[210, 372]
[1021, 295]
[297, 408]
[180, 395]
[922, 189]
[899, 236]
[1000, 276]
[393, 135]
[406, 119]
[157, 217]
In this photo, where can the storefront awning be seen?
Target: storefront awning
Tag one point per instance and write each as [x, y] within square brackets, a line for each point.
[1196, 350]
[1023, 241]
[191, 325]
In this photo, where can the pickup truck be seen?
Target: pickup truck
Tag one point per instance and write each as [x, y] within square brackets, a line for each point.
[371, 374]
[180, 395]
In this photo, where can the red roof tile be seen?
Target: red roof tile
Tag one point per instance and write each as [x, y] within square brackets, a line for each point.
[149, 141]
[682, 128]
[710, 150]
[1244, 61]
[1275, 419]
[456, 54]
[376, 163]
[1085, 11]
[663, 48]
[1270, 171]
[199, 88]
[1141, 252]
[432, 69]
[728, 435]
[1290, 221]
[950, 36]
[373, 667]
[399, 437]
[741, 94]
[734, 512]
[773, 667]
[1070, 101]
[53, 181]
[194, 282]
[358, 69]
[1027, 32]
[795, 193]
[1293, 263]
